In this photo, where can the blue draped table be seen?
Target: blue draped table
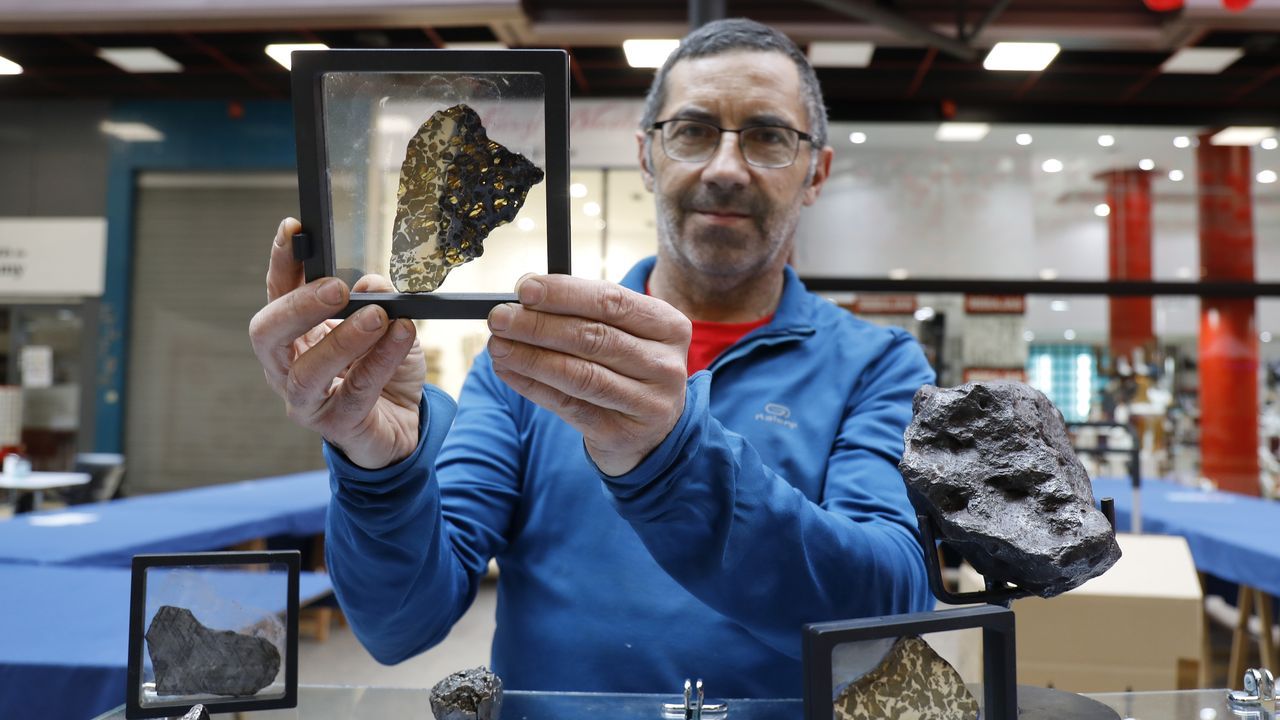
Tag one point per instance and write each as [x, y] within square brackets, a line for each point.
[64, 638]
[207, 518]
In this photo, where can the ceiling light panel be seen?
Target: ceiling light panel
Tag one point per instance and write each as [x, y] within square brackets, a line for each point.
[475, 46]
[648, 53]
[1201, 61]
[961, 132]
[1241, 135]
[131, 131]
[1021, 56]
[841, 54]
[9, 67]
[140, 60]
[281, 52]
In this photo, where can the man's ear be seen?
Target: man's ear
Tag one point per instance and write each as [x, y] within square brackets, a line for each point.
[821, 171]
[646, 170]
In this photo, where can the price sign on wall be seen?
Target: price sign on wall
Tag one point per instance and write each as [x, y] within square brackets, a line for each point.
[53, 257]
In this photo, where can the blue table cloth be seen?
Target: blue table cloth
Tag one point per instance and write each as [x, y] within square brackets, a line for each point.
[207, 518]
[64, 639]
[1234, 537]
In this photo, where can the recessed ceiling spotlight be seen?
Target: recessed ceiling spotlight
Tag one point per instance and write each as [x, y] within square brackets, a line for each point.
[1269, 143]
[1028, 336]
[1146, 164]
[961, 132]
[1048, 274]
[282, 52]
[1264, 336]
[1241, 135]
[591, 209]
[899, 274]
[525, 224]
[857, 138]
[1266, 177]
[1059, 306]
[1052, 165]
[1176, 175]
[1102, 209]
[1023, 56]
[1182, 141]
[1106, 140]
[648, 53]
[1068, 334]
[578, 190]
[1023, 139]
[1184, 272]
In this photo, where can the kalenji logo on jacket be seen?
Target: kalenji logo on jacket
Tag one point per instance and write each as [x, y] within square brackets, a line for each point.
[777, 414]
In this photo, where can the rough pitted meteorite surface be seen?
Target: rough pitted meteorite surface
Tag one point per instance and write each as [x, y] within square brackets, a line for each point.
[456, 186]
[199, 712]
[191, 659]
[912, 683]
[993, 466]
[474, 694]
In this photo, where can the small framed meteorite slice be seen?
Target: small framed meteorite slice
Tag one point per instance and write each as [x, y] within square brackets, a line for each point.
[445, 171]
[216, 629]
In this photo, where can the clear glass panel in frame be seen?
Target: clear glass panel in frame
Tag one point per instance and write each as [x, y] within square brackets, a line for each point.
[214, 634]
[369, 120]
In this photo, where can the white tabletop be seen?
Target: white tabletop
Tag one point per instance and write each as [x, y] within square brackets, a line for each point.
[36, 480]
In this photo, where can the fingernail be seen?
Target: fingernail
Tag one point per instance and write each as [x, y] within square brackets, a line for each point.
[402, 330]
[500, 317]
[330, 291]
[369, 318]
[530, 291]
[499, 348]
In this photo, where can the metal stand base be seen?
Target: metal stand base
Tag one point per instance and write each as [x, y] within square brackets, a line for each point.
[1037, 703]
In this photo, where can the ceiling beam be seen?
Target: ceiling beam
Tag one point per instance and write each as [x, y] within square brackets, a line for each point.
[993, 12]
[901, 25]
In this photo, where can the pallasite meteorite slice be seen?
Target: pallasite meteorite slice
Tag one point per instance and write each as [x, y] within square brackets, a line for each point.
[474, 694]
[191, 659]
[993, 466]
[456, 186]
[912, 683]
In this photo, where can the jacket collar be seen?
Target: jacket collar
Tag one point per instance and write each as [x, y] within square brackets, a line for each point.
[793, 312]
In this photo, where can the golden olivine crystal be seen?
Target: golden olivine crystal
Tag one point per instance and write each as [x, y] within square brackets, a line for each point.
[912, 682]
[456, 186]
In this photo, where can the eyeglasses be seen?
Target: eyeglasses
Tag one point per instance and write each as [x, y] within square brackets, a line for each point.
[766, 146]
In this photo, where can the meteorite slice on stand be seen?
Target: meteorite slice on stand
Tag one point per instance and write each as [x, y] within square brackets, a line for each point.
[912, 681]
[456, 186]
[992, 465]
[191, 659]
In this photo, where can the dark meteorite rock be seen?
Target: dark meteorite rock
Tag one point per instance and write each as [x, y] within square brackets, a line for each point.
[197, 713]
[474, 694]
[190, 658]
[992, 465]
[912, 681]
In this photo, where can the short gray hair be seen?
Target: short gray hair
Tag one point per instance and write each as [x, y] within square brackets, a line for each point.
[722, 36]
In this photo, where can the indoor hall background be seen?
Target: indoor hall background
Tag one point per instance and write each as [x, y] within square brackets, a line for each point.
[198, 408]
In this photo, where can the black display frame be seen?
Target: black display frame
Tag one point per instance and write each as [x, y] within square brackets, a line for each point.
[999, 655]
[314, 246]
[291, 559]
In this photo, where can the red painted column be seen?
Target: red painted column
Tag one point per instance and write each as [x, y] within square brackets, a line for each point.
[1228, 337]
[1129, 258]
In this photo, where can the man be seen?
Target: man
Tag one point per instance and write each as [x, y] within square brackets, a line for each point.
[649, 526]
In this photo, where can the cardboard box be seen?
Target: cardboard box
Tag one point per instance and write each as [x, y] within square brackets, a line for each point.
[1124, 631]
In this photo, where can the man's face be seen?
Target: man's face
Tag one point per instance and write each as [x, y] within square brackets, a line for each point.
[724, 218]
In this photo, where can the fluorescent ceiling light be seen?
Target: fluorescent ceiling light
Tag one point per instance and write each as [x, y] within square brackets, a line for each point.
[140, 60]
[961, 132]
[9, 67]
[131, 131]
[1241, 135]
[1201, 61]
[1025, 56]
[280, 52]
[648, 53]
[841, 54]
[476, 46]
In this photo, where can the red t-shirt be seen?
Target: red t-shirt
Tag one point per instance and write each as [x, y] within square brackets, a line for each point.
[712, 338]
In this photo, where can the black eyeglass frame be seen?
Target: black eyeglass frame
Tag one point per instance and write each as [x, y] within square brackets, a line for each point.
[800, 134]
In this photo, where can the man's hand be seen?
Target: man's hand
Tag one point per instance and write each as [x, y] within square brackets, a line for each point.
[358, 381]
[608, 361]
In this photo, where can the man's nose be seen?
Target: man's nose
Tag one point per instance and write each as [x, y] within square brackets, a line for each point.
[727, 166]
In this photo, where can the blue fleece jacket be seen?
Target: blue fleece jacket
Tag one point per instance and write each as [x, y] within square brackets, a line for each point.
[774, 502]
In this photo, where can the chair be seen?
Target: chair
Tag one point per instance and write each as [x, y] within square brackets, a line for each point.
[106, 473]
